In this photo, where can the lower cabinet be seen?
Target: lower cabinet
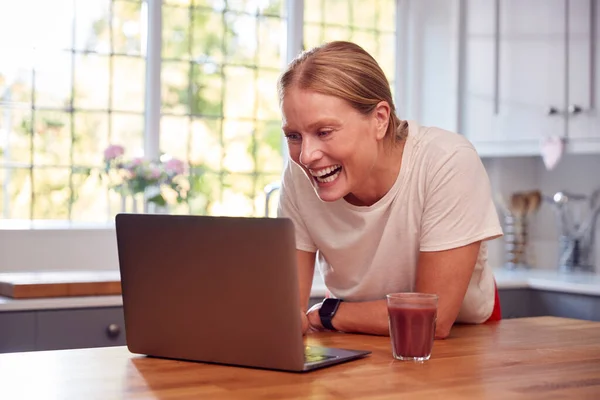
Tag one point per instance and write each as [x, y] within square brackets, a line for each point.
[17, 331]
[518, 303]
[61, 329]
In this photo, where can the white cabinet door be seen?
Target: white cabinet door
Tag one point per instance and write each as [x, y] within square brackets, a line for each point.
[429, 62]
[514, 74]
[584, 87]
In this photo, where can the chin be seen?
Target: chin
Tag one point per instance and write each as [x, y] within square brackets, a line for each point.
[328, 194]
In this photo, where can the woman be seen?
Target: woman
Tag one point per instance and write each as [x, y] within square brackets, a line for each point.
[382, 205]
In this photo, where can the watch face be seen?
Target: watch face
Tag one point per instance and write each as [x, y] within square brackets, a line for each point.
[329, 307]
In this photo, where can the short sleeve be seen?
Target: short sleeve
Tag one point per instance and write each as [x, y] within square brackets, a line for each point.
[458, 208]
[288, 208]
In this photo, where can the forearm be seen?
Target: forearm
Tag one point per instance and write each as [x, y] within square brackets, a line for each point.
[306, 271]
[370, 317]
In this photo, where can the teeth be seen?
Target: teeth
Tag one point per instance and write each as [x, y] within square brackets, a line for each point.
[329, 178]
[324, 171]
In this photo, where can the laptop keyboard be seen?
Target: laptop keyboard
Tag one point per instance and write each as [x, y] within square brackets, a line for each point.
[312, 355]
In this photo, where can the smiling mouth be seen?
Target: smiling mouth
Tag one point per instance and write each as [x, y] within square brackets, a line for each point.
[327, 174]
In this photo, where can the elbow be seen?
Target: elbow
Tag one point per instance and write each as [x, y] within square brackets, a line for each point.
[442, 330]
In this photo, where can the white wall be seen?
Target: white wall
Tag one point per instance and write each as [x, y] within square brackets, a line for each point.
[574, 173]
[58, 249]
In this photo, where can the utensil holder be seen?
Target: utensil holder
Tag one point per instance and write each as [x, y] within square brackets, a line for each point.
[515, 238]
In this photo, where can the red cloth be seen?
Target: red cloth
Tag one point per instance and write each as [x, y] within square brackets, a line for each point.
[497, 311]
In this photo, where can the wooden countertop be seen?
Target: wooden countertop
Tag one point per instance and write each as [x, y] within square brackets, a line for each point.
[529, 358]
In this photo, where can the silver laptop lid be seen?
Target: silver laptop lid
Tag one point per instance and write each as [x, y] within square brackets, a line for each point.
[211, 289]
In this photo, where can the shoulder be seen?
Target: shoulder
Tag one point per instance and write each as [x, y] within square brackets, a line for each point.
[436, 148]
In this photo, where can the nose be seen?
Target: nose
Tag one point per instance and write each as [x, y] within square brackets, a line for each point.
[310, 151]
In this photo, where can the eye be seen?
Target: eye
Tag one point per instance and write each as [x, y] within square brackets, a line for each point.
[293, 137]
[323, 133]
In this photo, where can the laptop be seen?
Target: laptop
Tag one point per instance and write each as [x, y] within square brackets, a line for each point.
[215, 290]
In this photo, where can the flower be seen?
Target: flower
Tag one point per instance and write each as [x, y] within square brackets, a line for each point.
[113, 152]
[138, 175]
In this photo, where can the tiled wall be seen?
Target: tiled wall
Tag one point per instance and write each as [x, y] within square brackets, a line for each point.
[578, 174]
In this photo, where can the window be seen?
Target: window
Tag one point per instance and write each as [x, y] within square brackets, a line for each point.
[72, 81]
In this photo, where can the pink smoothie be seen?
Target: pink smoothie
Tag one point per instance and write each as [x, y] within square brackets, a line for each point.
[412, 329]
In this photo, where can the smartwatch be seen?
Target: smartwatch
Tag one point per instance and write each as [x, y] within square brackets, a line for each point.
[327, 312]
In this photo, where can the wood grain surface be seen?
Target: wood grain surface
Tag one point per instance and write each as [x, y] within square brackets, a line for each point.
[28, 285]
[528, 358]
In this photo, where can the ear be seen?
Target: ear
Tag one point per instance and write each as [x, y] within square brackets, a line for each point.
[381, 114]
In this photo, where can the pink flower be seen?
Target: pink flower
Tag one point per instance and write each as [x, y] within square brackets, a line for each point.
[154, 173]
[174, 167]
[113, 151]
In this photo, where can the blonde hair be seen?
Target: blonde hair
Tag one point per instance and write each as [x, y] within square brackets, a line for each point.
[344, 70]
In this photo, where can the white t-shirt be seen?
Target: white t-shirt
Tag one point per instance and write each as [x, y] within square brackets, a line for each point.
[440, 200]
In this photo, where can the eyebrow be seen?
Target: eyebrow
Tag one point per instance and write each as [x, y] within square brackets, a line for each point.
[325, 121]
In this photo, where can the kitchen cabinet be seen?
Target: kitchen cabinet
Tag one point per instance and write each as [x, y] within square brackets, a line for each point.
[513, 73]
[17, 331]
[70, 329]
[61, 329]
[520, 303]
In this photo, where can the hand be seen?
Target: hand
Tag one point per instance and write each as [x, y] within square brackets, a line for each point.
[314, 320]
[305, 323]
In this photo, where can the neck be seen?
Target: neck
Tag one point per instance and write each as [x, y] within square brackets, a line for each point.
[383, 176]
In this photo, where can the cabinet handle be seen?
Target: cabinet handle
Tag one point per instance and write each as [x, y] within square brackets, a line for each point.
[574, 109]
[113, 330]
[552, 111]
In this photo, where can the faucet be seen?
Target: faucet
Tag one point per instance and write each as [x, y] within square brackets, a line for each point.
[576, 236]
[269, 190]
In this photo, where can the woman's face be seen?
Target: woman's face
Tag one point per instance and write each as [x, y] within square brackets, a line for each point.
[336, 145]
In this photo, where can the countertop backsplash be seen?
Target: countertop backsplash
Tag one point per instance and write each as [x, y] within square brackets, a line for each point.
[576, 174]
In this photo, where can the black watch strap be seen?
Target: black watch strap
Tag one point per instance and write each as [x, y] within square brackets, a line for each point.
[327, 311]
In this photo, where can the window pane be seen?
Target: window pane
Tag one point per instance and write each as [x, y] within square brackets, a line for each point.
[238, 146]
[272, 7]
[51, 193]
[90, 196]
[205, 145]
[127, 131]
[205, 193]
[207, 87]
[16, 192]
[15, 76]
[272, 36]
[268, 102]
[247, 6]
[207, 38]
[175, 33]
[92, 22]
[313, 10]
[174, 133]
[90, 138]
[128, 84]
[53, 74]
[364, 15]
[269, 139]
[175, 80]
[52, 138]
[15, 135]
[240, 39]
[239, 92]
[238, 196]
[332, 33]
[92, 81]
[53, 18]
[338, 12]
[313, 36]
[386, 15]
[260, 199]
[127, 27]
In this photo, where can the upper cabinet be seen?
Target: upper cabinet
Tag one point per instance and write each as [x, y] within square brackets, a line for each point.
[523, 71]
